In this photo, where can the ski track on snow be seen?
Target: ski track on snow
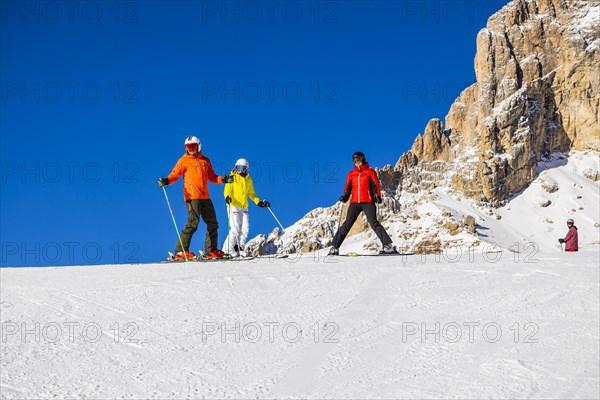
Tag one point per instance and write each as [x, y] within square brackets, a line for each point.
[369, 301]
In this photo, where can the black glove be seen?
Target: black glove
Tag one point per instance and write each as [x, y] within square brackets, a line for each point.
[377, 199]
[163, 182]
[264, 203]
[228, 200]
[227, 179]
[345, 197]
[561, 241]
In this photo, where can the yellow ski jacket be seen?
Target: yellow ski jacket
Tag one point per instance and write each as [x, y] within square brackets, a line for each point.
[239, 191]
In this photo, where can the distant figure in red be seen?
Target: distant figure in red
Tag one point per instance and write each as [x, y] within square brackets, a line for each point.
[571, 240]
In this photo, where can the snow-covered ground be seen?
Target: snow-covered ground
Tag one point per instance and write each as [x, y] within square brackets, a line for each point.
[482, 325]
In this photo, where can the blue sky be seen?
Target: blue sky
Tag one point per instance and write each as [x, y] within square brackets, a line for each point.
[98, 97]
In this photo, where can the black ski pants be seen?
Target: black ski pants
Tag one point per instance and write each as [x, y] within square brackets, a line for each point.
[353, 212]
[200, 208]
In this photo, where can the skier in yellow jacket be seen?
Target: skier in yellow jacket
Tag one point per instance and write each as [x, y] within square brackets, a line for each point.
[236, 197]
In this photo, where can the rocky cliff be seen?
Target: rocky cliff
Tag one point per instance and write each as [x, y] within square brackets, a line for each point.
[537, 93]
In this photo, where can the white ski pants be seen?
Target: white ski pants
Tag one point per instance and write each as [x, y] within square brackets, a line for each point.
[239, 226]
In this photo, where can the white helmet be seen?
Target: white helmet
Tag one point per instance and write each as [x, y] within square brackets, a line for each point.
[242, 161]
[242, 165]
[193, 140]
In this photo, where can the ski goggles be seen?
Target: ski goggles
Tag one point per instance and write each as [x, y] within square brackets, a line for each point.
[191, 147]
[241, 168]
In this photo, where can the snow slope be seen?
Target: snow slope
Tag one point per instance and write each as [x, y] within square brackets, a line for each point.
[576, 196]
[485, 325]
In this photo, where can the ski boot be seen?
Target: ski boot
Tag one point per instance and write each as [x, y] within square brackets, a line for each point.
[388, 249]
[215, 254]
[181, 255]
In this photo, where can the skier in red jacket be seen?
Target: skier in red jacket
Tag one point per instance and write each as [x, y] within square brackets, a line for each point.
[363, 190]
[571, 240]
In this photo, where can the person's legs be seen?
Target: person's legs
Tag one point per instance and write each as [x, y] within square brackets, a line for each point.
[234, 239]
[245, 227]
[371, 214]
[193, 210]
[209, 216]
[353, 212]
[231, 239]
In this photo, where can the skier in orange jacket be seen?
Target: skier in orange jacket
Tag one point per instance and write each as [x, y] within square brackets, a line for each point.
[197, 171]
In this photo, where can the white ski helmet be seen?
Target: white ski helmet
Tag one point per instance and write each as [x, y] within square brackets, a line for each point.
[242, 161]
[192, 140]
[242, 165]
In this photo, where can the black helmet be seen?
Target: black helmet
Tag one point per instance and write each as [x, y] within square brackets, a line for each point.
[360, 155]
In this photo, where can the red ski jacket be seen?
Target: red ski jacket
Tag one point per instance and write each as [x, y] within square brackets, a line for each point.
[362, 183]
[571, 240]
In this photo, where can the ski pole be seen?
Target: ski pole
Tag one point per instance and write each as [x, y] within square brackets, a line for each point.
[282, 228]
[228, 226]
[340, 216]
[175, 223]
[329, 226]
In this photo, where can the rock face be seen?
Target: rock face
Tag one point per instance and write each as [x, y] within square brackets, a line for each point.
[434, 144]
[537, 92]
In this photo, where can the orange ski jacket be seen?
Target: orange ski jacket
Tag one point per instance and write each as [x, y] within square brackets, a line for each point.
[197, 171]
